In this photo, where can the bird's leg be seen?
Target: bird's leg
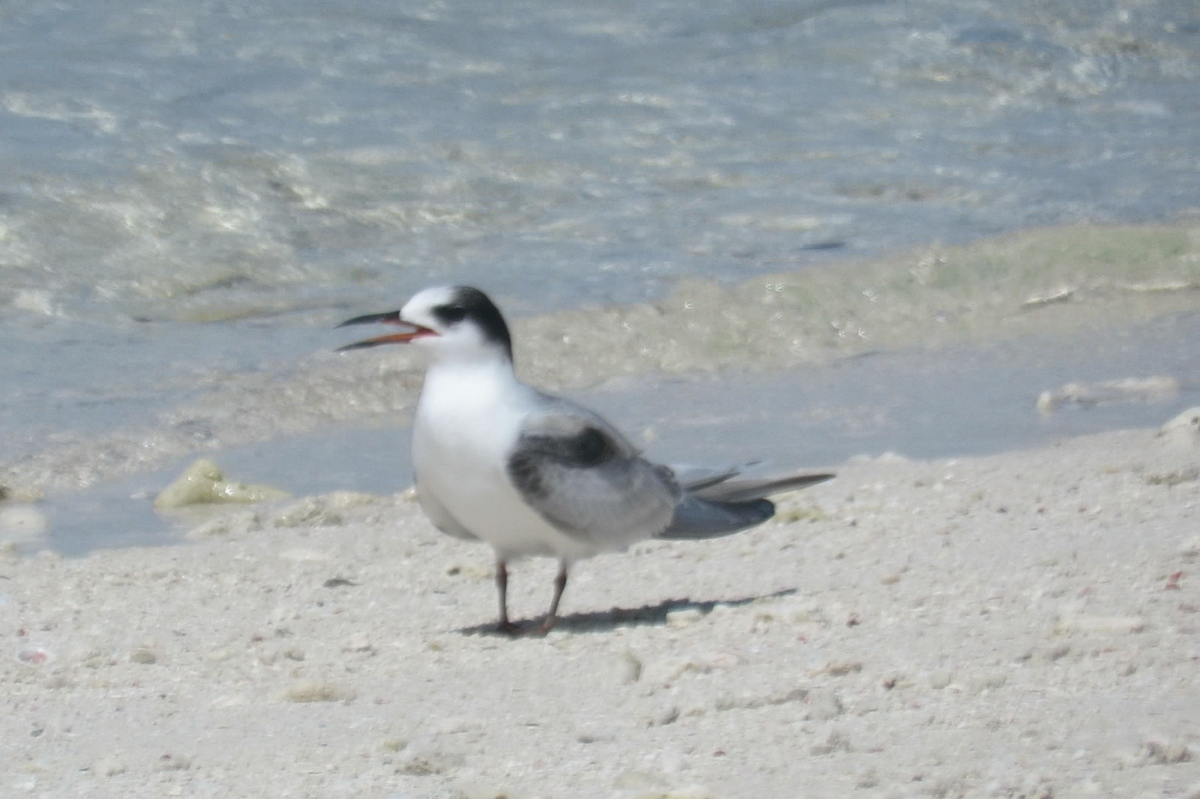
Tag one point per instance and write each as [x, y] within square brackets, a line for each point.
[560, 584]
[505, 626]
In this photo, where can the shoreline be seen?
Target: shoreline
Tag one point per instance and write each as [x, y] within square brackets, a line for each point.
[921, 404]
[1056, 282]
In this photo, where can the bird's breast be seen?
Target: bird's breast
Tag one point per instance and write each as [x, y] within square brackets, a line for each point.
[463, 434]
[464, 427]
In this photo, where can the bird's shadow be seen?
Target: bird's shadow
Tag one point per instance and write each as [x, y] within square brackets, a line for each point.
[607, 620]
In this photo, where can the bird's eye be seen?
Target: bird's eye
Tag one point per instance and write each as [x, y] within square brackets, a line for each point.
[452, 313]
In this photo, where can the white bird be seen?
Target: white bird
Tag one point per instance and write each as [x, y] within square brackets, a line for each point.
[532, 474]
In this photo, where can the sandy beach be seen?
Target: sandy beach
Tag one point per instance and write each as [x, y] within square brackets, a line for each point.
[1022, 624]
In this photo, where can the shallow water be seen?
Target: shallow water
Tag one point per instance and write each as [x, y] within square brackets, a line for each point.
[914, 403]
[192, 193]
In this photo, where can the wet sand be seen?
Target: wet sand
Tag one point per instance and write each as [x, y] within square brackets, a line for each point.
[1023, 624]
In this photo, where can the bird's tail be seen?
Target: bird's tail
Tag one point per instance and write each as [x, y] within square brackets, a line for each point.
[713, 508]
[701, 518]
[743, 489]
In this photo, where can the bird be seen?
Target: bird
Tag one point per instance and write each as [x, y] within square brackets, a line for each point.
[533, 474]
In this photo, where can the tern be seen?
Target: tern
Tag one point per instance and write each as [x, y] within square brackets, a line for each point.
[533, 474]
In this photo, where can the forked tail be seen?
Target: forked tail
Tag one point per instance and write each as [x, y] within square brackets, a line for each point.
[714, 507]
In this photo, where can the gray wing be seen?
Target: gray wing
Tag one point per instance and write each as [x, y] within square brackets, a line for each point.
[582, 476]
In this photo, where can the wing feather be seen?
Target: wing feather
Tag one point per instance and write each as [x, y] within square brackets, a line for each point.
[586, 479]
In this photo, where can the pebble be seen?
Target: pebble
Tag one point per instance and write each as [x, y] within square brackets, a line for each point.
[22, 523]
[88, 656]
[823, 705]
[1165, 753]
[1071, 622]
[750, 701]
[34, 656]
[841, 668]
[423, 761]
[664, 716]
[940, 679]
[986, 682]
[1183, 430]
[1050, 654]
[359, 642]
[833, 742]
[174, 762]
[143, 655]
[629, 667]
[316, 691]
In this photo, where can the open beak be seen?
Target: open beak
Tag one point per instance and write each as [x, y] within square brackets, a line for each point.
[390, 318]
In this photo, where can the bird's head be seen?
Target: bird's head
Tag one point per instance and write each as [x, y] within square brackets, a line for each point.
[452, 322]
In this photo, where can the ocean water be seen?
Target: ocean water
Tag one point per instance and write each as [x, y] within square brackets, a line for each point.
[191, 194]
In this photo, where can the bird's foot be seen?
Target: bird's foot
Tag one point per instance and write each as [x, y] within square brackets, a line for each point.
[516, 630]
